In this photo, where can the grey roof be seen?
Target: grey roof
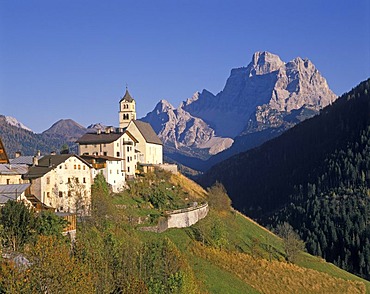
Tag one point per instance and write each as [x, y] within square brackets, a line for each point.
[13, 169]
[127, 97]
[95, 138]
[10, 192]
[147, 131]
[49, 162]
[23, 160]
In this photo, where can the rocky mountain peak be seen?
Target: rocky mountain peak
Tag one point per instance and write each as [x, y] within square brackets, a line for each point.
[163, 106]
[265, 62]
[14, 122]
[258, 102]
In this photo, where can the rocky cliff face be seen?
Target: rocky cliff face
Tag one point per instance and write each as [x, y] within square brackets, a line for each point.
[267, 94]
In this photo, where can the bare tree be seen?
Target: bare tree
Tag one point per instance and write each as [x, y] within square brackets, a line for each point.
[292, 243]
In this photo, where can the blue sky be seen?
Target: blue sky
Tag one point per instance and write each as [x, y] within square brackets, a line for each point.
[72, 59]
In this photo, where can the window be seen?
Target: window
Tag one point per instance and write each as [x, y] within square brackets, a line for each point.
[79, 166]
[48, 194]
[60, 167]
[65, 167]
[128, 149]
[85, 146]
[69, 180]
[117, 172]
[48, 180]
[128, 158]
[105, 153]
[60, 194]
[118, 154]
[128, 169]
[69, 194]
[84, 180]
[74, 166]
[83, 167]
[8, 181]
[61, 208]
[77, 181]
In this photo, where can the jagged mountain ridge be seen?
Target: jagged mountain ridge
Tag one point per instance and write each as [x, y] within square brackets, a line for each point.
[14, 122]
[267, 96]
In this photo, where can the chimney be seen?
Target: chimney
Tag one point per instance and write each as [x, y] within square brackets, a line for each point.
[38, 153]
[98, 131]
[35, 161]
[107, 130]
[17, 154]
[53, 153]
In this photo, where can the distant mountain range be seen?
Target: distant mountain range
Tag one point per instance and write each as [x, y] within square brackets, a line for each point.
[17, 137]
[258, 102]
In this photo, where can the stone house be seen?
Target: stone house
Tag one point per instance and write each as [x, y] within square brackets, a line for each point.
[113, 143]
[110, 167]
[62, 182]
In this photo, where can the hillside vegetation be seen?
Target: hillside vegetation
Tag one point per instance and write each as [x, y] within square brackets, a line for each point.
[316, 177]
[224, 253]
[28, 143]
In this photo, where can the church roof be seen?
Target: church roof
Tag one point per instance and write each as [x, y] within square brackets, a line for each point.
[127, 97]
[147, 131]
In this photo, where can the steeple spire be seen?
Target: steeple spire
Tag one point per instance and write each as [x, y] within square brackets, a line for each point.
[127, 110]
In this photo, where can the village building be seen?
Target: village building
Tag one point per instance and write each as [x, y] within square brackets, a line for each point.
[14, 192]
[116, 152]
[110, 168]
[149, 147]
[3, 156]
[11, 174]
[62, 182]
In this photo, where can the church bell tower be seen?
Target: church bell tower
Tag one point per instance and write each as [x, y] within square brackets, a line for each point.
[127, 110]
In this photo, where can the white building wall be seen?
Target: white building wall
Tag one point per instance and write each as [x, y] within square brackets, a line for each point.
[55, 188]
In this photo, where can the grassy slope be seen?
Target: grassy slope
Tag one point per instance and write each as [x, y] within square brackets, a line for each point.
[244, 266]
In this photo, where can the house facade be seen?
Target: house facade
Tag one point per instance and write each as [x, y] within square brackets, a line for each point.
[62, 182]
[149, 147]
[110, 168]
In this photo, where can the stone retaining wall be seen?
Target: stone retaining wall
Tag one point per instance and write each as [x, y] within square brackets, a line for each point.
[180, 218]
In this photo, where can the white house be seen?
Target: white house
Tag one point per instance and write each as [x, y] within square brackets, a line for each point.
[117, 143]
[111, 169]
[62, 182]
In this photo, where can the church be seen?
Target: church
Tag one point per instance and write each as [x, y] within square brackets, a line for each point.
[117, 152]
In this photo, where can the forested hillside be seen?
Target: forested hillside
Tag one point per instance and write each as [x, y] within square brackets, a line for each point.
[28, 143]
[315, 176]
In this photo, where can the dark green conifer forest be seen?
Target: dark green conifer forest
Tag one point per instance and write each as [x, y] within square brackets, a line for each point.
[316, 177]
